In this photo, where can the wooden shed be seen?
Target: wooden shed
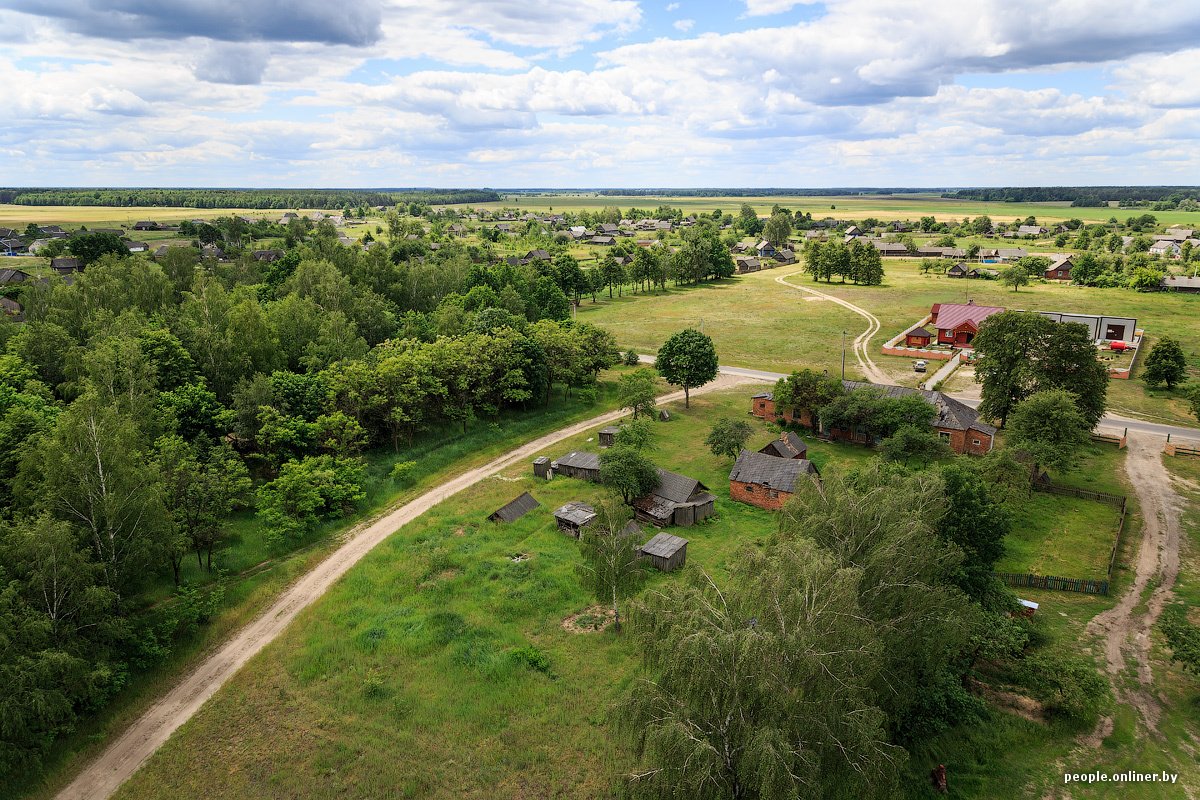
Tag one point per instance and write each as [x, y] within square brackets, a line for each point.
[577, 464]
[677, 500]
[666, 552]
[516, 509]
[574, 517]
[541, 467]
[608, 435]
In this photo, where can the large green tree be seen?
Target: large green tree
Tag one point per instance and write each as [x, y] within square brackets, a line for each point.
[728, 436]
[688, 359]
[613, 568]
[638, 391]
[627, 471]
[1049, 427]
[1166, 364]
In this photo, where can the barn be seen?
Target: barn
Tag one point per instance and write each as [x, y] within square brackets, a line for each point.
[516, 509]
[574, 517]
[577, 464]
[677, 500]
[666, 552]
[767, 481]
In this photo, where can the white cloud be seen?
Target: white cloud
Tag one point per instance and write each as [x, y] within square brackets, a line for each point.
[684, 25]
[672, 6]
[759, 8]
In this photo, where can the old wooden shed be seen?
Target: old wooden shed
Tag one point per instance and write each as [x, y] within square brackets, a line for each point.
[608, 435]
[666, 552]
[516, 509]
[577, 464]
[574, 517]
[677, 500]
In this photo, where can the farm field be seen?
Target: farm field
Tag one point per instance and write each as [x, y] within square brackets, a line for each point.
[401, 679]
[756, 322]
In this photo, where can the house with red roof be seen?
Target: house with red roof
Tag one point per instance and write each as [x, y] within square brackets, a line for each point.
[957, 323]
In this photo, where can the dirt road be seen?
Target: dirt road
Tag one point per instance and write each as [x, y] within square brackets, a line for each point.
[115, 765]
[1126, 631]
[862, 341]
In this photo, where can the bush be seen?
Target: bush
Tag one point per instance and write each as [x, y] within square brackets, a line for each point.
[1067, 685]
[631, 358]
[402, 470]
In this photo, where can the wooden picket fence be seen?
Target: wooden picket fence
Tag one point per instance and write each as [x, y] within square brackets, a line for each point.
[1053, 582]
[1081, 585]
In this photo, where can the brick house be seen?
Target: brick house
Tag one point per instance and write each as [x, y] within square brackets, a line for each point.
[1060, 270]
[767, 481]
[956, 423]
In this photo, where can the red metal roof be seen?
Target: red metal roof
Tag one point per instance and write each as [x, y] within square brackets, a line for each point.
[951, 316]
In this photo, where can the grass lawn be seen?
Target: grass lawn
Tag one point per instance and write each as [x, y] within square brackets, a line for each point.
[1061, 536]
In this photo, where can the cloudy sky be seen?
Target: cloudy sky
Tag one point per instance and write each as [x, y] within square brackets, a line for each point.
[593, 93]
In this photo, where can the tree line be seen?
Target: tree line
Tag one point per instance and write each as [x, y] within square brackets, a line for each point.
[242, 198]
[145, 402]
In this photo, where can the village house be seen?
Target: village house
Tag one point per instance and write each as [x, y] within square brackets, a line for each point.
[1164, 248]
[573, 517]
[137, 247]
[785, 257]
[889, 249]
[1060, 269]
[765, 249]
[65, 264]
[959, 270]
[956, 423]
[515, 509]
[767, 481]
[11, 247]
[267, 256]
[146, 225]
[747, 264]
[957, 323]
[13, 276]
[677, 500]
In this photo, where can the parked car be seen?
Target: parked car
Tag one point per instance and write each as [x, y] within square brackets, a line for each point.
[919, 366]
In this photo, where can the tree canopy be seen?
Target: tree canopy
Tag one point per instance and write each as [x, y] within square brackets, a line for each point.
[688, 359]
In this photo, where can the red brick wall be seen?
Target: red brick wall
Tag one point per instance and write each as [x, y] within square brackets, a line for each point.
[757, 495]
[964, 441]
[766, 409]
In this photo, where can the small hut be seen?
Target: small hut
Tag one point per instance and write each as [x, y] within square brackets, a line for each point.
[677, 500]
[608, 435]
[917, 337]
[576, 464]
[574, 517]
[664, 415]
[541, 467]
[516, 509]
[788, 445]
[958, 271]
[666, 552]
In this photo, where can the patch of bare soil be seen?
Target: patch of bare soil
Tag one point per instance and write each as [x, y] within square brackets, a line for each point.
[1013, 703]
[1104, 729]
[590, 620]
[1126, 630]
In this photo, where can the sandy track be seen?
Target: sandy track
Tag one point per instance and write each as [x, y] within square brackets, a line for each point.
[1126, 631]
[100, 779]
[862, 341]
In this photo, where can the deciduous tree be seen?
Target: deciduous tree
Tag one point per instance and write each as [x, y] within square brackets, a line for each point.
[688, 359]
[1166, 364]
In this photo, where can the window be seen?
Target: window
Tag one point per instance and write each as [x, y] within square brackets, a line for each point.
[976, 442]
[749, 489]
[774, 493]
[943, 435]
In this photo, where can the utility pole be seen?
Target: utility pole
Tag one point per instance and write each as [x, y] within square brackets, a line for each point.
[843, 355]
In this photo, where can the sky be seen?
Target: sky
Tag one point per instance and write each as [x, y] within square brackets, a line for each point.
[599, 93]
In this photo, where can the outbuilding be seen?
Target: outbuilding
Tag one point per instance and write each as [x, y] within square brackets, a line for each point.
[574, 517]
[608, 435]
[515, 509]
[677, 500]
[666, 552]
[788, 445]
[577, 464]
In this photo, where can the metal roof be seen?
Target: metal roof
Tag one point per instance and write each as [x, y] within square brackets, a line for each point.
[516, 509]
[664, 545]
[952, 315]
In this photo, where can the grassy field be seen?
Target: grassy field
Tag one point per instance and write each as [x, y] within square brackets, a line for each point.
[756, 322]
[401, 681]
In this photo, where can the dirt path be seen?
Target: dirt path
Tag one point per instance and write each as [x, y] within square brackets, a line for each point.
[862, 341]
[1125, 628]
[100, 779]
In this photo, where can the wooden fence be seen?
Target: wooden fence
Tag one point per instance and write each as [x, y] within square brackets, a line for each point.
[1121, 441]
[1081, 585]
[1053, 582]
[1177, 449]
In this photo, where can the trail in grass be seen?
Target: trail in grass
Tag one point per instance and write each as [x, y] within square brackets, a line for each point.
[100, 779]
[862, 341]
[1126, 626]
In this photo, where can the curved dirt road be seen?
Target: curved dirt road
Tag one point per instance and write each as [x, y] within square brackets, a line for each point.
[1124, 629]
[862, 341]
[115, 765]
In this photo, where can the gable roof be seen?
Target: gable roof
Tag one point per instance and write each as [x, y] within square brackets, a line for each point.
[951, 413]
[13, 276]
[675, 487]
[576, 512]
[952, 315]
[788, 445]
[516, 508]
[918, 331]
[780, 474]
[579, 460]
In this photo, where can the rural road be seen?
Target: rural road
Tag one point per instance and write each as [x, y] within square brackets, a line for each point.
[101, 778]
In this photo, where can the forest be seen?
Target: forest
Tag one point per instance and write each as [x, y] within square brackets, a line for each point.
[145, 402]
[1046, 194]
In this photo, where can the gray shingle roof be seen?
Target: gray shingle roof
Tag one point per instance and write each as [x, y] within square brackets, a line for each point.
[664, 545]
[577, 512]
[781, 474]
[579, 460]
[516, 509]
[675, 487]
[788, 445]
